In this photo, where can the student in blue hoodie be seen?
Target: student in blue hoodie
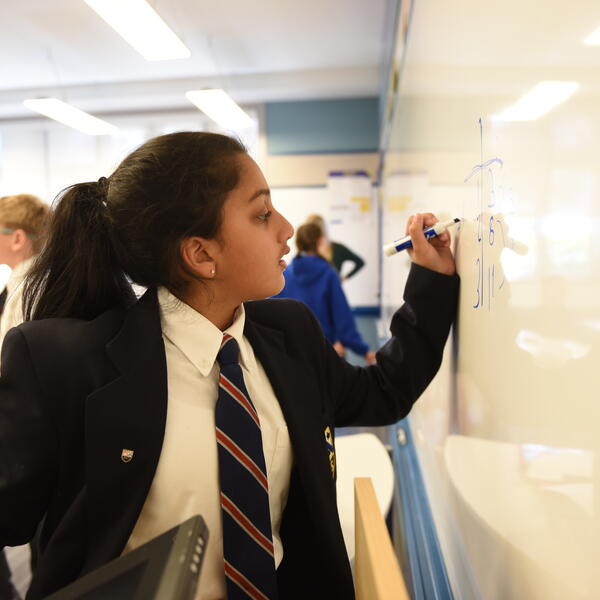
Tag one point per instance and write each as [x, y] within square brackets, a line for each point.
[311, 279]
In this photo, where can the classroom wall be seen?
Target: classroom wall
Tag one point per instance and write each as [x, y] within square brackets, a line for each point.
[302, 142]
[300, 170]
[322, 126]
[42, 157]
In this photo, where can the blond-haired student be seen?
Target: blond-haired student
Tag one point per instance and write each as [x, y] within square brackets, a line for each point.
[23, 222]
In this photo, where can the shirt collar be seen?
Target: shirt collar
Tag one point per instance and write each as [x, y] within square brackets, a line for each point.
[197, 338]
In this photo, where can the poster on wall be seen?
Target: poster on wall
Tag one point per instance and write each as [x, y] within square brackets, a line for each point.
[404, 193]
[352, 227]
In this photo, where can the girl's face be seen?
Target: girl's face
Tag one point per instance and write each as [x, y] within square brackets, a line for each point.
[249, 263]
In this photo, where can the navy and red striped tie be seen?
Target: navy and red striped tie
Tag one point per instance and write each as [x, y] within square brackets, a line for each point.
[247, 537]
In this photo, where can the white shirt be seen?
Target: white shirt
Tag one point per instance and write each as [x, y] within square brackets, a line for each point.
[186, 481]
[12, 314]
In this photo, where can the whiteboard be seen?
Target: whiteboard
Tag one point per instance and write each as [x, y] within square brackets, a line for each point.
[508, 433]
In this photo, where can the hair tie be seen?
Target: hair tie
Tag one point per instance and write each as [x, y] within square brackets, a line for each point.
[102, 184]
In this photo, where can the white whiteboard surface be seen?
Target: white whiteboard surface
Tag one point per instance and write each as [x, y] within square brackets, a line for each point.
[508, 434]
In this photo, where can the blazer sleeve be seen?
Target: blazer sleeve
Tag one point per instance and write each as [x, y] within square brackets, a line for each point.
[382, 394]
[28, 444]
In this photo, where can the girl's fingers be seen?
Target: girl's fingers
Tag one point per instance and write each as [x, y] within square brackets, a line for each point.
[441, 241]
[415, 230]
[429, 219]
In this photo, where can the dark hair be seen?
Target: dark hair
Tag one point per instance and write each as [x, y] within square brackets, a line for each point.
[129, 227]
[308, 236]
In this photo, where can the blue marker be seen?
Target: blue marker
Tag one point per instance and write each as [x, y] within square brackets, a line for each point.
[406, 242]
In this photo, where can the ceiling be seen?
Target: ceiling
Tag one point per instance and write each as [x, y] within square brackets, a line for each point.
[259, 51]
[271, 50]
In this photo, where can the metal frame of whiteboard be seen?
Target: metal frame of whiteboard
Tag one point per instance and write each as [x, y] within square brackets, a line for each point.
[427, 572]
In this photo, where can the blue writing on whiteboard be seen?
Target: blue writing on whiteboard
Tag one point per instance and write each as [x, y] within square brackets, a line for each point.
[490, 229]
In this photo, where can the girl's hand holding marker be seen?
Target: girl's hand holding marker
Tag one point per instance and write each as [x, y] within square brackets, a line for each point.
[427, 243]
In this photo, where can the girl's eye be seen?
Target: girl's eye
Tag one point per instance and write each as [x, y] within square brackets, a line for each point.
[265, 217]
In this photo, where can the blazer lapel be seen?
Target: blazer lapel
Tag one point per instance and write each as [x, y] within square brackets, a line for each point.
[125, 424]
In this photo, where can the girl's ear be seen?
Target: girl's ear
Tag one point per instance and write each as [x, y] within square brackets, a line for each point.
[196, 253]
[19, 240]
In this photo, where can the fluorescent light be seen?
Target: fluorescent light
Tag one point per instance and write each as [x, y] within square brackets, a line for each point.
[543, 97]
[221, 108]
[593, 39]
[71, 116]
[138, 23]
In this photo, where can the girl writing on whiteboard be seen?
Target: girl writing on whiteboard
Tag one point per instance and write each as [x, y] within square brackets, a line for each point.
[120, 418]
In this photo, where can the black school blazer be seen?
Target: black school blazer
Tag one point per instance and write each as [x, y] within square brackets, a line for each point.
[74, 394]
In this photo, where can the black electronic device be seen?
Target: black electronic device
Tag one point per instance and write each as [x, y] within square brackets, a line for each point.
[165, 568]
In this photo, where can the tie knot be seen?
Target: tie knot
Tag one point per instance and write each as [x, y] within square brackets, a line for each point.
[229, 352]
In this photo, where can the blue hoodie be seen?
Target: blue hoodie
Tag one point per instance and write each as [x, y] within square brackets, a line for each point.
[313, 280]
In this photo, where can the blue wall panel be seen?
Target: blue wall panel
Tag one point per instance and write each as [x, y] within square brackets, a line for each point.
[323, 126]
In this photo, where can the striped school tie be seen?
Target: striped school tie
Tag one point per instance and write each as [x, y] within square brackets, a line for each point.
[247, 538]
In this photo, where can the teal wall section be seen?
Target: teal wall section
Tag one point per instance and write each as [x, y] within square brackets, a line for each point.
[323, 126]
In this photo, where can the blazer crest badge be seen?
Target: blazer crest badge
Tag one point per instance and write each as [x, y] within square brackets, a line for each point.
[126, 455]
[330, 449]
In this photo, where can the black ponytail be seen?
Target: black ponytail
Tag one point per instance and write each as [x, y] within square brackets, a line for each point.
[129, 227]
[77, 273]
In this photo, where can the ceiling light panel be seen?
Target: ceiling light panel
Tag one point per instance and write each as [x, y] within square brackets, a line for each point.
[221, 108]
[141, 27]
[69, 115]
